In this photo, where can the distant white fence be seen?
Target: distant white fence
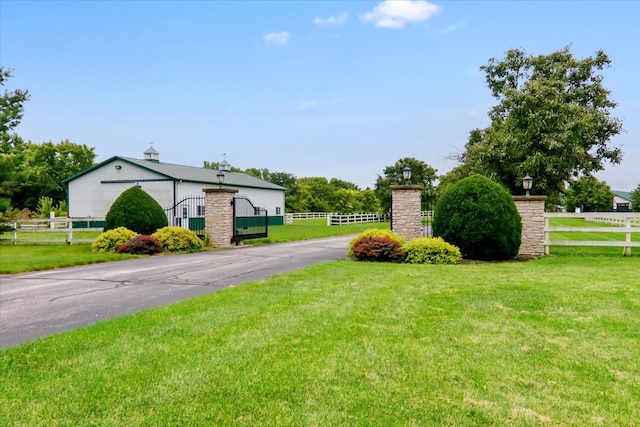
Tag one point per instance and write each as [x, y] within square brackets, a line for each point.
[617, 220]
[343, 219]
[358, 218]
[627, 223]
[52, 225]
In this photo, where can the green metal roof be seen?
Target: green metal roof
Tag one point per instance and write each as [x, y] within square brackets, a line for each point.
[623, 194]
[188, 174]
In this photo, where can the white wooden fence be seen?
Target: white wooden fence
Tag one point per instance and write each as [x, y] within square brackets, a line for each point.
[627, 223]
[358, 218]
[51, 225]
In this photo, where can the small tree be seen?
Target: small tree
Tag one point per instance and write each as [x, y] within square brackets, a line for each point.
[479, 217]
[137, 211]
[635, 199]
[589, 194]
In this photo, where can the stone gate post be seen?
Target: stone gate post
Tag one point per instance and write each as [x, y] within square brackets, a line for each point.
[218, 215]
[531, 210]
[406, 220]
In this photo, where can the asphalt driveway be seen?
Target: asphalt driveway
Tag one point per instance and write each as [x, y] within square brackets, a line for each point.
[42, 303]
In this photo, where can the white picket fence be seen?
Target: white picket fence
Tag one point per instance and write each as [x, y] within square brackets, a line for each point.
[627, 223]
[46, 226]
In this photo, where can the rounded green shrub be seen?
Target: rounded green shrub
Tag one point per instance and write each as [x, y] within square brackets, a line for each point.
[142, 244]
[111, 240]
[431, 250]
[379, 249]
[137, 211]
[480, 217]
[178, 239]
[374, 232]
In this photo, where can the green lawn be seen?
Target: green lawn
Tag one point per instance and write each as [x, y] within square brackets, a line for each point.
[553, 341]
[41, 256]
[312, 229]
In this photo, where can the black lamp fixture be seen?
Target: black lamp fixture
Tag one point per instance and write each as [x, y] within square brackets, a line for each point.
[406, 174]
[220, 176]
[527, 183]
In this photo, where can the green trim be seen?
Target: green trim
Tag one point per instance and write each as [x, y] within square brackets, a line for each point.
[275, 220]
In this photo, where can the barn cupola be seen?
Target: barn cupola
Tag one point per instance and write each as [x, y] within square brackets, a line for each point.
[225, 166]
[152, 155]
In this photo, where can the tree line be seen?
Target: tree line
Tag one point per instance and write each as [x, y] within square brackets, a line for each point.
[552, 121]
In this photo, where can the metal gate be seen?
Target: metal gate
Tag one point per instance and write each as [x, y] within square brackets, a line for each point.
[188, 213]
[249, 222]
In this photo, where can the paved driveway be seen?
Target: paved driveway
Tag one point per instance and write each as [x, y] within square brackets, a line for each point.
[42, 303]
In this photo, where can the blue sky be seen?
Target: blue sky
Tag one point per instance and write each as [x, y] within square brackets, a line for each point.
[313, 88]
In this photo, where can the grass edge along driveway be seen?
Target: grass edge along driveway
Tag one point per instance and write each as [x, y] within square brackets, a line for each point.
[552, 341]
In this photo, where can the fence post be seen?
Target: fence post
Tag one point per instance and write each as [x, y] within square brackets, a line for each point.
[70, 233]
[52, 215]
[15, 232]
[547, 235]
[627, 249]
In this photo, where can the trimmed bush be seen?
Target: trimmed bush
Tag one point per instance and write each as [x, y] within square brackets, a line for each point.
[374, 232]
[479, 217]
[137, 211]
[111, 240]
[431, 250]
[178, 239]
[142, 244]
[379, 249]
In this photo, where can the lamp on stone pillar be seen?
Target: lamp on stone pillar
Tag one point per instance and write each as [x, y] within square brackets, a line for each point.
[220, 176]
[527, 183]
[406, 174]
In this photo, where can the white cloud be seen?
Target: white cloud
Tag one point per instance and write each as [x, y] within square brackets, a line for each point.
[396, 13]
[277, 39]
[455, 27]
[332, 20]
[306, 105]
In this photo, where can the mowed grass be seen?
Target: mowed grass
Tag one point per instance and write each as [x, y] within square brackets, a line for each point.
[585, 235]
[554, 341]
[312, 229]
[41, 256]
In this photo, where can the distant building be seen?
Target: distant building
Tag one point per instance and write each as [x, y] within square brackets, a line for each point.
[622, 201]
[92, 191]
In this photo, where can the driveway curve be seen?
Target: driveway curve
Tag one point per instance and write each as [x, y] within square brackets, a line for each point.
[42, 303]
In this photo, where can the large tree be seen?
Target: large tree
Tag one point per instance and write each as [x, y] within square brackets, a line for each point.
[12, 148]
[553, 121]
[588, 194]
[45, 166]
[421, 174]
[11, 109]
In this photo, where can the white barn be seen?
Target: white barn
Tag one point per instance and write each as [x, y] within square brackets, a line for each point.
[622, 201]
[92, 191]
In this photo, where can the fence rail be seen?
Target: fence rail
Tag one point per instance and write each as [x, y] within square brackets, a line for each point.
[335, 219]
[53, 225]
[628, 223]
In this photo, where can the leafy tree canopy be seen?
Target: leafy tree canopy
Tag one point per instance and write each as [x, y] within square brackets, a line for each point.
[552, 121]
[421, 174]
[45, 166]
[635, 199]
[588, 194]
[11, 110]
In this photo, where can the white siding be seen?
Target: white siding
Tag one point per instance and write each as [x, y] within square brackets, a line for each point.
[93, 193]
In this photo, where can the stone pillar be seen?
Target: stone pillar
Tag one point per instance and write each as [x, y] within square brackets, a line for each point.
[218, 215]
[405, 209]
[531, 210]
